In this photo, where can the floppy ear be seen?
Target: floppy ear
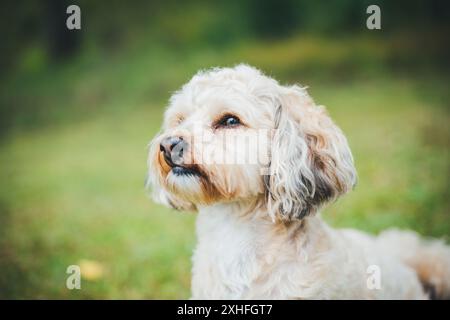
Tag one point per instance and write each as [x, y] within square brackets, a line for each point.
[154, 178]
[311, 162]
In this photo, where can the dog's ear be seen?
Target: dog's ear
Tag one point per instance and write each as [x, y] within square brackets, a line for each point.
[311, 162]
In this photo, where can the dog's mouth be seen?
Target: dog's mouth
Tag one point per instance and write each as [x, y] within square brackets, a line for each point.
[178, 169]
[185, 171]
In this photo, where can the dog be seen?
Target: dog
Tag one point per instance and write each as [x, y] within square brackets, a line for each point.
[259, 230]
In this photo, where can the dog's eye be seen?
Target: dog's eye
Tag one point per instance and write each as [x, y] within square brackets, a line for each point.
[228, 121]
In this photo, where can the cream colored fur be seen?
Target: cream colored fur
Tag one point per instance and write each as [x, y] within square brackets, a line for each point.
[261, 236]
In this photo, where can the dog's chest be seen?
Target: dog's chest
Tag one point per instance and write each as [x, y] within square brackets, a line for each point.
[227, 259]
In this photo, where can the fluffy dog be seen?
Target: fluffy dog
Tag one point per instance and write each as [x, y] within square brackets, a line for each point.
[260, 234]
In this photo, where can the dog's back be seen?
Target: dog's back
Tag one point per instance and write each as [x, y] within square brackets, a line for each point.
[429, 258]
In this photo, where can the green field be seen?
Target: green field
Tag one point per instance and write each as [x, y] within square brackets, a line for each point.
[73, 163]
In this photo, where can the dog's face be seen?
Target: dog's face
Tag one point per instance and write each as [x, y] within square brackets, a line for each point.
[234, 134]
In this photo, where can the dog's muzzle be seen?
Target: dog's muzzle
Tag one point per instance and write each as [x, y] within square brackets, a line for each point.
[173, 149]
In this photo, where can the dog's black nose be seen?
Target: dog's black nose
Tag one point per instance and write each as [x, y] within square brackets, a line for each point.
[172, 147]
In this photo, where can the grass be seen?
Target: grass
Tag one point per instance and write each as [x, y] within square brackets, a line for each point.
[73, 168]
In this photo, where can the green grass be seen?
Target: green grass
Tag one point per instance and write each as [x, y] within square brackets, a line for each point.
[73, 168]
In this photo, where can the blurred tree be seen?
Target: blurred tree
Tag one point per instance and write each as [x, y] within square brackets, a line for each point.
[272, 18]
[110, 25]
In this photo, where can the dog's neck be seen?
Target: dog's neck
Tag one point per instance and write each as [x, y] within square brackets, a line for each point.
[247, 216]
[236, 246]
[249, 226]
[232, 220]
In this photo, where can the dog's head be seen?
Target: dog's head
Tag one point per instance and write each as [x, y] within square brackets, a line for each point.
[234, 134]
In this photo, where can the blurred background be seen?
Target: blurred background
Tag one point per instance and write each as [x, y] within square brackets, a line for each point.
[77, 109]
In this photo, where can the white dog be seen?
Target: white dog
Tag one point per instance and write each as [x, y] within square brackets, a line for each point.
[260, 235]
